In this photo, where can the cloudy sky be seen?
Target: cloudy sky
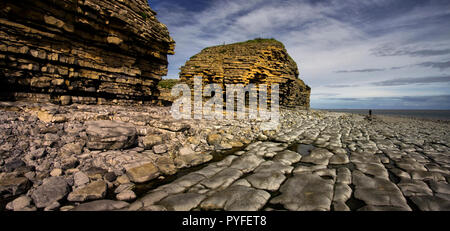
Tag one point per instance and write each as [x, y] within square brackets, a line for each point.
[390, 54]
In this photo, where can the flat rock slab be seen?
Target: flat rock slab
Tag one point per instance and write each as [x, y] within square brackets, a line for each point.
[373, 169]
[309, 169]
[425, 175]
[194, 159]
[110, 135]
[410, 165]
[377, 191]
[274, 166]
[182, 202]
[143, 172]
[189, 179]
[237, 198]
[305, 192]
[101, 205]
[414, 188]
[288, 157]
[344, 175]
[364, 158]
[52, 190]
[247, 163]
[440, 187]
[431, 203]
[266, 180]
[223, 178]
[339, 159]
[342, 192]
[93, 191]
[318, 156]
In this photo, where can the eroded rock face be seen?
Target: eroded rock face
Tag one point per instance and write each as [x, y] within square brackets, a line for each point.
[260, 61]
[96, 51]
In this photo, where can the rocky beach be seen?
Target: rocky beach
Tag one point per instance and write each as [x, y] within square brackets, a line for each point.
[86, 124]
[83, 157]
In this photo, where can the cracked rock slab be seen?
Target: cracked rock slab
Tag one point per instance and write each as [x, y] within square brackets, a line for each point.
[143, 173]
[271, 166]
[414, 188]
[266, 180]
[431, 203]
[440, 187]
[373, 169]
[377, 191]
[237, 198]
[310, 169]
[425, 175]
[339, 159]
[288, 157]
[318, 156]
[247, 163]
[222, 179]
[344, 176]
[305, 192]
[342, 192]
[182, 202]
[93, 191]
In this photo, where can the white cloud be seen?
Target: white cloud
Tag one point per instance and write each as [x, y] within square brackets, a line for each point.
[323, 38]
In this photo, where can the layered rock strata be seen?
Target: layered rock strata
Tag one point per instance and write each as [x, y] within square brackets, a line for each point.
[260, 61]
[82, 51]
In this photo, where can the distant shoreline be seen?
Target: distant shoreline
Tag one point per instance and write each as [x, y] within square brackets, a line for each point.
[428, 115]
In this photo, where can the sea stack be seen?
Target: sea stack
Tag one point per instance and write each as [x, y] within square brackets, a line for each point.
[91, 52]
[259, 61]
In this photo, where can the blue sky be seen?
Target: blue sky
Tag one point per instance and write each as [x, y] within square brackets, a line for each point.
[379, 54]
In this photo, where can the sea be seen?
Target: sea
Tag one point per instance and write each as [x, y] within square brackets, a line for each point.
[422, 114]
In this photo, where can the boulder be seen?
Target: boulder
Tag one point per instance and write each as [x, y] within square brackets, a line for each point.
[52, 190]
[151, 140]
[80, 178]
[110, 135]
[11, 185]
[143, 172]
[160, 149]
[93, 191]
[126, 195]
[305, 192]
[21, 203]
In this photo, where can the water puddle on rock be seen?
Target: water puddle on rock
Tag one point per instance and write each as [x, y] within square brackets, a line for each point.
[302, 149]
[142, 189]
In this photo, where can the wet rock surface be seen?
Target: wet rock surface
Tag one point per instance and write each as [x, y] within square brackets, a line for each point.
[315, 160]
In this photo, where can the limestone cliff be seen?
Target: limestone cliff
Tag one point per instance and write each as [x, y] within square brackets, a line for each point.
[82, 51]
[259, 61]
